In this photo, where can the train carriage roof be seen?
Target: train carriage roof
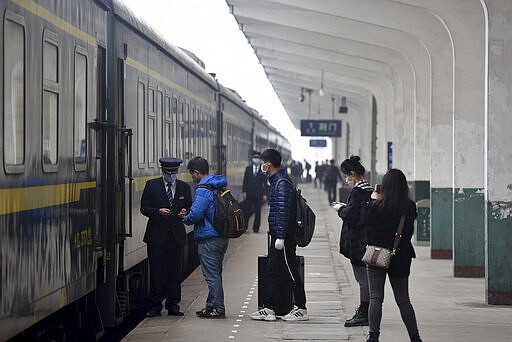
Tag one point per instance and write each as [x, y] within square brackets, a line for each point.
[197, 68]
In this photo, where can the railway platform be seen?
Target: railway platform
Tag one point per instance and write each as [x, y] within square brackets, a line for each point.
[447, 308]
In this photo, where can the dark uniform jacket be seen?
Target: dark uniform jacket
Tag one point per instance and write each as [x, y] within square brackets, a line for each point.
[280, 201]
[154, 197]
[254, 186]
[381, 229]
[353, 231]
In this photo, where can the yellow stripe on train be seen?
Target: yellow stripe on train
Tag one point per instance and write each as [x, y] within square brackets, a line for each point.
[35, 197]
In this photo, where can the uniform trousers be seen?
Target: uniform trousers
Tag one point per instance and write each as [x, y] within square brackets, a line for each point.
[165, 268]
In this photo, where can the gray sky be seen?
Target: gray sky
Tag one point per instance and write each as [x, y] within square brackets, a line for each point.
[206, 28]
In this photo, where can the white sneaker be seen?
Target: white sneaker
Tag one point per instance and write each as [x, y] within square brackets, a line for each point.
[296, 314]
[264, 314]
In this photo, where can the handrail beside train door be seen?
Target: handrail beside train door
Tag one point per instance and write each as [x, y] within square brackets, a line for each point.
[127, 133]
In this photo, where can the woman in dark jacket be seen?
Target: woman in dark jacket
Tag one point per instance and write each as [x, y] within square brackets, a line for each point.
[383, 219]
[353, 234]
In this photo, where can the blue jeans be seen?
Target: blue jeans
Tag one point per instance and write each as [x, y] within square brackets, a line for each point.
[211, 255]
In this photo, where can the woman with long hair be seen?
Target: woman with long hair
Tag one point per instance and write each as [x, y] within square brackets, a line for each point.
[390, 203]
[353, 234]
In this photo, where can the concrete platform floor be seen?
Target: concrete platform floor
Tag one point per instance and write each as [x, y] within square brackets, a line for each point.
[447, 308]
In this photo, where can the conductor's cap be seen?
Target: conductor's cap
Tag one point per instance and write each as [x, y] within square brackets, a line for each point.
[170, 165]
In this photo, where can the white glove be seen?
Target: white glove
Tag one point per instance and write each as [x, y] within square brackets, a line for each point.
[337, 205]
[279, 244]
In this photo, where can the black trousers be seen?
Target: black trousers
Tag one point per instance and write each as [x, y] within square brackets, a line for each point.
[283, 271]
[331, 192]
[165, 268]
[251, 206]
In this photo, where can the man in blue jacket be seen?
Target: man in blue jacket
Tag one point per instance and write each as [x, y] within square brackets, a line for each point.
[211, 246]
[282, 266]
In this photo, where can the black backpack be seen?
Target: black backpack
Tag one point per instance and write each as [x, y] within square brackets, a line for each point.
[229, 219]
[302, 217]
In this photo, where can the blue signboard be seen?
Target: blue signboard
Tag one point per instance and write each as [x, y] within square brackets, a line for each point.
[317, 143]
[390, 155]
[320, 128]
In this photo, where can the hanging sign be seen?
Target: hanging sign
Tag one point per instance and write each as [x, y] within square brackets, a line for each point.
[320, 128]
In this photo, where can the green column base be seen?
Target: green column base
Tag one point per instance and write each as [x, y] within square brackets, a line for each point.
[441, 223]
[498, 280]
[420, 193]
[468, 232]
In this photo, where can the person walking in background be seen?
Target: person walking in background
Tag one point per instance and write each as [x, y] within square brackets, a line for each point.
[282, 262]
[254, 191]
[307, 166]
[332, 175]
[318, 174]
[384, 214]
[353, 233]
[163, 198]
[211, 246]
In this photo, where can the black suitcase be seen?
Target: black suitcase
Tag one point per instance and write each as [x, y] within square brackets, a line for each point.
[286, 297]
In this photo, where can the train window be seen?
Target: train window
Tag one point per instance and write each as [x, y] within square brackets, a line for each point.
[14, 95]
[151, 127]
[141, 127]
[160, 120]
[50, 128]
[50, 117]
[174, 124]
[80, 111]
[188, 154]
[166, 143]
[181, 130]
[193, 127]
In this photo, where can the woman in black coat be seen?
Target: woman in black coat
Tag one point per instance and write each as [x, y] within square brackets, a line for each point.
[353, 234]
[382, 222]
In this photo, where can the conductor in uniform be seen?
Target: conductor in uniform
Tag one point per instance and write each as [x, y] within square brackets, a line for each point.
[254, 191]
[162, 200]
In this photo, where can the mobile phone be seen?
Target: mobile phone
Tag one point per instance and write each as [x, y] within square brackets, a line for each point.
[378, 188]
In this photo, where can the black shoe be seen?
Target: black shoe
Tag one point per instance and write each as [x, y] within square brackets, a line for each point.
[174, 312]
[212, 313]
[372, 337]
[359, 319]
[200, 312]
[153, 313]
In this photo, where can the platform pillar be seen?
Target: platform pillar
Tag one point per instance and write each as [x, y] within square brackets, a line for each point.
[441, 223]
[498, 231]
[420, 193]
[468, 233]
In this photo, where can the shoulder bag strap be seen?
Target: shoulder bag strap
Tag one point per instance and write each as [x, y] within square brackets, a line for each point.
[398, 235]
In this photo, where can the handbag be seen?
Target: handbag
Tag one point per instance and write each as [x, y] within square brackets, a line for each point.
[380, 256]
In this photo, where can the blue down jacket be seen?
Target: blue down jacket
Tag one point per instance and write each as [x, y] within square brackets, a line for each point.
[280, 202]
[202, 211]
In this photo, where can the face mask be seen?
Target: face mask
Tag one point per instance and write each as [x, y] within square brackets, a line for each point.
[265, 171]
[169, 178]
[255, 161]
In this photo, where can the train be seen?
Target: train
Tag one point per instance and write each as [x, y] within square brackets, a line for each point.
[92, 98]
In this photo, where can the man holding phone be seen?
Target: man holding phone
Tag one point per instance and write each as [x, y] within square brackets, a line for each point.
[162, 200]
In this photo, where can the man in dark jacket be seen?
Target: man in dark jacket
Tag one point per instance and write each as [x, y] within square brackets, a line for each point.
[163, 198]
[331, 180]
[282, 262]
[254, 191]
[211, 246]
